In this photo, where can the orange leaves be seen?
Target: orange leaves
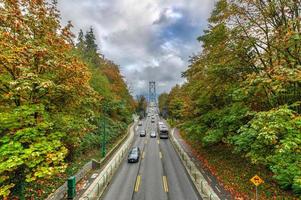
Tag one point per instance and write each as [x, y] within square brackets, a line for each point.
[37, 2]
[30, 42]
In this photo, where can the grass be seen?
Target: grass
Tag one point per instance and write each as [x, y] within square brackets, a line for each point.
[235, 172]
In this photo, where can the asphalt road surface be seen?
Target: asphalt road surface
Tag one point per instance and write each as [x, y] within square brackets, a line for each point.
[159, 174]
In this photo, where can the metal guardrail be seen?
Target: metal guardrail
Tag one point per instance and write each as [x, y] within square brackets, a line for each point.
[198, 179]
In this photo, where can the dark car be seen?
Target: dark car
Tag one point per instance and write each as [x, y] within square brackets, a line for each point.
[142, 133]
[134, 155]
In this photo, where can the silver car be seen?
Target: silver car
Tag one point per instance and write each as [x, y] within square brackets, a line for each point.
[153, 134]
[142, 133]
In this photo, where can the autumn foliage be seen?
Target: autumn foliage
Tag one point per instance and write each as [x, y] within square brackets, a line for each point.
[245, 86]
[48, 104]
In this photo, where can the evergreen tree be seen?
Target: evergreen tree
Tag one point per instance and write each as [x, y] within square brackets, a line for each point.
[90, 41]
[81, 41]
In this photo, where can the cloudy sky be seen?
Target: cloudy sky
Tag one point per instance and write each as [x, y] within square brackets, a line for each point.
[149, 39]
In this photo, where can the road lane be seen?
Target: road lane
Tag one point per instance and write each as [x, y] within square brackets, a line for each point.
[151, 172]
[159, 175]
[180, 185]
[123, 183]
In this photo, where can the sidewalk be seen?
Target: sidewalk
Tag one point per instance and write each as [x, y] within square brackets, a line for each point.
[218, 188]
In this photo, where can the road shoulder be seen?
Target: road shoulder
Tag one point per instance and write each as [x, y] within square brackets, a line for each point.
[206, 183]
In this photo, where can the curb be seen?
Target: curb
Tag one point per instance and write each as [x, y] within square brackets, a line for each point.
[97, 188]
[197, 178]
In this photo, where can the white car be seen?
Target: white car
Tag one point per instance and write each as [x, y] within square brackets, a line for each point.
[142, 133]
[153, 134]
[160, 123]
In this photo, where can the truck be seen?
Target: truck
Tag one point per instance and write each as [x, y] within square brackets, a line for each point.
[163, 131]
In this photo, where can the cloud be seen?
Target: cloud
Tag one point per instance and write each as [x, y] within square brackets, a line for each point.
[149, 39]
[168, 15]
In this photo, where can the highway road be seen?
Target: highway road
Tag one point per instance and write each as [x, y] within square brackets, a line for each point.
[159, 174]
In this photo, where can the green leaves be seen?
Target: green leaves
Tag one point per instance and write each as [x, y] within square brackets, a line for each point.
[212, 137]
[31, 143]
[273, 138]
[244, 88]
[51, 93]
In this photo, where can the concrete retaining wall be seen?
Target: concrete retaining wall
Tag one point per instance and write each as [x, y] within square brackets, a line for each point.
[99, 185]
[197, 178]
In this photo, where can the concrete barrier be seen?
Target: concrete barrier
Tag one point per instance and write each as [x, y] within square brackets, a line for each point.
[197, 178]
[99, 185]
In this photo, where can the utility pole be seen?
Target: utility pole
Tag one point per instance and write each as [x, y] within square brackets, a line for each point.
[103, 145]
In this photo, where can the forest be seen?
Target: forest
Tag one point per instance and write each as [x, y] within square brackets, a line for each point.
[55, 89]
[243, 91]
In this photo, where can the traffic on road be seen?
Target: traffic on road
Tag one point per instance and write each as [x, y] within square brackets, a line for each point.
[152, 170]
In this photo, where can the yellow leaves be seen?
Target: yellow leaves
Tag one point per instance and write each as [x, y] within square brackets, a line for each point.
[5, 190]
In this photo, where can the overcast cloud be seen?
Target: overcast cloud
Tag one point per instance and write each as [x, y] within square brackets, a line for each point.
[149, 39]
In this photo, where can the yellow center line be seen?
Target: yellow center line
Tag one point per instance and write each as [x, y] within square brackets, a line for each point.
[158, 141]
[160, 154]
[145, 142]
[143, 154]
[137, 183]
[165, 185]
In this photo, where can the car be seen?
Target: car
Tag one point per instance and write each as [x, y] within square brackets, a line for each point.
[140, 123]
[153, 134]
[142, 133]
[153, 120]
[163, 126]
[134, 155]
[160, 123]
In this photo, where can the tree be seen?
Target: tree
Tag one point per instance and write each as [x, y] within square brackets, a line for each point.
[41, 83]
[90, 41]
[163, 98]
[90, 50]
[81, 41]
[245, 85]
[106, 78]
[141, 107]
[30, 148]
